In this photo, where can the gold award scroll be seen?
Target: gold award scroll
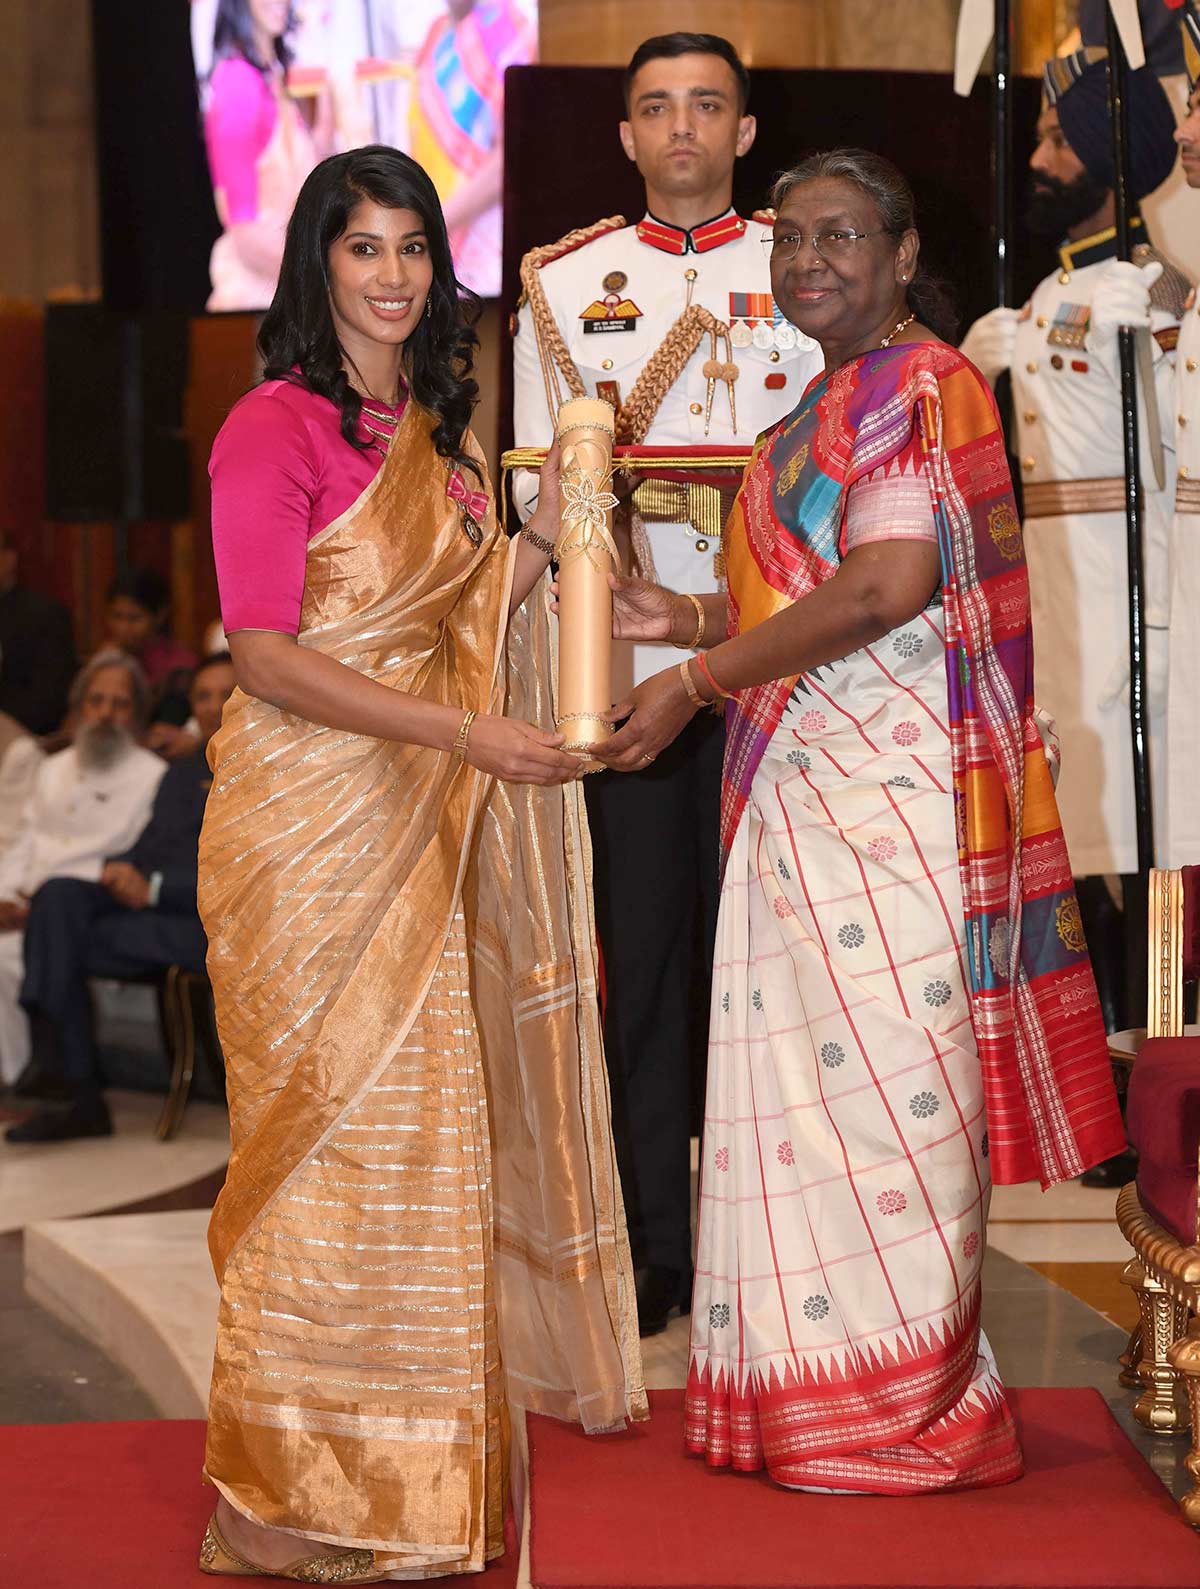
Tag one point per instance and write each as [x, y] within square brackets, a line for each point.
[586, 556]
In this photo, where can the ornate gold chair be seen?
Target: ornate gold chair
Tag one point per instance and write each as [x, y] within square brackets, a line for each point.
[1157, 1213]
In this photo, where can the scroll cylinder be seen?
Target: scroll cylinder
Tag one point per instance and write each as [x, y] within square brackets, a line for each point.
[586, 556]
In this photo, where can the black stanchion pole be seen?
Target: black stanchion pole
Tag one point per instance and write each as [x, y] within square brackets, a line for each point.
[1118, 67]
[1002, 206]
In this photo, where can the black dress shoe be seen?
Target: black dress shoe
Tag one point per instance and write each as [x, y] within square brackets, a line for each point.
[64, 1122]
[36, 1081]
[1111, 1174]
[661, 1293]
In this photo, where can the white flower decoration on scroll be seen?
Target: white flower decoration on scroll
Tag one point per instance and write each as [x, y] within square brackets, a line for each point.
[587, 502]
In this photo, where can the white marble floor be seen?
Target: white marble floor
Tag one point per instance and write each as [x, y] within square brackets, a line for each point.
[62, 1180]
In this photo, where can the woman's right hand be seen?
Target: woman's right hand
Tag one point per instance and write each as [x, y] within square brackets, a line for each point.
[517, 752]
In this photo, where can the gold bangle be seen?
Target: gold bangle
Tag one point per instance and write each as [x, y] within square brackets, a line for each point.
[693, 693]
[459, 748]
[697, 639]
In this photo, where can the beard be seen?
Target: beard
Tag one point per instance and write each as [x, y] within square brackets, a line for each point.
[1054, 207]
[100, 746]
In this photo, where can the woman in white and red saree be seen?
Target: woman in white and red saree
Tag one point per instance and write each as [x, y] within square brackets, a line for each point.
[903, 1005]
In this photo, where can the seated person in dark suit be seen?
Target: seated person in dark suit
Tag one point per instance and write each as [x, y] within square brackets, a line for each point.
[140, 917]
[37, 649]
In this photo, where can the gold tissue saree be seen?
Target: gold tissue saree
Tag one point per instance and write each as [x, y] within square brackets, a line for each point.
[422, 1222]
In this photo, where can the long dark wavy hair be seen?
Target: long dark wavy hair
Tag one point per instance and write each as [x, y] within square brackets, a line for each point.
[298, 333]
[233, 34]
[929, 297]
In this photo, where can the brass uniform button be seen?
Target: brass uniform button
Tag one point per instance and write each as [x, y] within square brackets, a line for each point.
[1027, 463]
[1183, 474]
[1064, 278]
[775, 356]
[606, 364]
[1190, 365]
[702, 545]
[696, 408]
[690, 274]
[1029, 416]
[1042, 322]
[1183, 419]
[1031, 367]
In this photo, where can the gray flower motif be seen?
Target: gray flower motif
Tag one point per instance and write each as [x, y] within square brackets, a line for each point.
[799, 758]
[851, 935]
[718, 1315]
[816, 1306]
[999, 941]
[907, 644]
[937, 992]
[901, 781]
[781, 864]
[756, 999]
[725, 1002]
[832, 1055]
[924, 1104]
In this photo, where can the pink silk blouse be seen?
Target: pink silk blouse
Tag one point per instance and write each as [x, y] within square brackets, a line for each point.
[281, 471]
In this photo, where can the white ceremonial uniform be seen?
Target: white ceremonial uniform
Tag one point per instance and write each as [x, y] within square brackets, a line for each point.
[1067, 401]
[75, 819]
[1183, 693]
[775, 363]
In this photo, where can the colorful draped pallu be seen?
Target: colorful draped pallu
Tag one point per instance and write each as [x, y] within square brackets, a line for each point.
[903, 1005]
[422, 1224]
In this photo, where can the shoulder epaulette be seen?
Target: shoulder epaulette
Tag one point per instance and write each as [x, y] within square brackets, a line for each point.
[1170, 291]
[549, 252]
[765, 217]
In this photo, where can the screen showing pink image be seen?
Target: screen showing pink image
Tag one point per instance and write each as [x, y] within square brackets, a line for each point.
[283, 83]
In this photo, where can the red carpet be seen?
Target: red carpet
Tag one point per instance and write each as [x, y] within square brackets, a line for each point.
[119, 1506]
[632, 1512]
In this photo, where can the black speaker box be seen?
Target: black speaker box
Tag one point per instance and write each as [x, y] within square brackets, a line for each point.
[115, 446]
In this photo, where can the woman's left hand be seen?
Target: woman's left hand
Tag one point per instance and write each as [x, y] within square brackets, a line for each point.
[656, 712]
[545, 520]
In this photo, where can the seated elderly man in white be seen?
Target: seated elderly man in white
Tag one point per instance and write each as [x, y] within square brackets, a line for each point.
[88, 802]
[20, 758]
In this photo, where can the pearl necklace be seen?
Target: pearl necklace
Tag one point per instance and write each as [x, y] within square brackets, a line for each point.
[886, 342]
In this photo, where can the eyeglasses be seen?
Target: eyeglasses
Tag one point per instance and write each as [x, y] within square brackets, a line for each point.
[828, 246]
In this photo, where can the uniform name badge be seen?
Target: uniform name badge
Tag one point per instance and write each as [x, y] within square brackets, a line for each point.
[612, 312]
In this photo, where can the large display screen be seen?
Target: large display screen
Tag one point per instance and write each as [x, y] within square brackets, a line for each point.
[283, 83]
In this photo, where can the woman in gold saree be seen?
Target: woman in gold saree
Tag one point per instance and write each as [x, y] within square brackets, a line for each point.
[421, 1226]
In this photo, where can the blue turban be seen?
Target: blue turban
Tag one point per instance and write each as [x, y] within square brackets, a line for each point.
[1077, 86]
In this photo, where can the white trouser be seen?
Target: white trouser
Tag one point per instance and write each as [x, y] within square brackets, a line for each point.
[14, 1023]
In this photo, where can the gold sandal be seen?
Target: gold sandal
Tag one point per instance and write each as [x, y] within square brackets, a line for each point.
[348, 1566]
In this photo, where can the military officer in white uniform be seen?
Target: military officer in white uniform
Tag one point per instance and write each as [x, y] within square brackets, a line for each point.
[689, 282]
[1061, 349]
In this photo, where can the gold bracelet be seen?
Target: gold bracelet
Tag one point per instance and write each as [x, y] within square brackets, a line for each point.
[459, 748]
[543, 545]
[693, 693]
[697, 639]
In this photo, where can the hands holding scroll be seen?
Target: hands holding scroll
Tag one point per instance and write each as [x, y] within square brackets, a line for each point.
[659, 708]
